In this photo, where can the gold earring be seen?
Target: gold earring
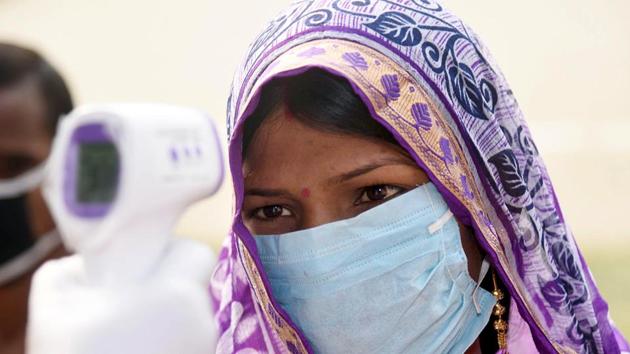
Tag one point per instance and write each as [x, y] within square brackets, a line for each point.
[500, 325]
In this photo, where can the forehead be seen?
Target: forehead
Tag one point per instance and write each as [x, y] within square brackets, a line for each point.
[22, 111]
[285, 148]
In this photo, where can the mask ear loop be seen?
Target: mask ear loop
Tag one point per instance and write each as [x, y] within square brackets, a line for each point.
[439, 223]
[485, 266]
[500, 325]
[25, 262]
[23, 183]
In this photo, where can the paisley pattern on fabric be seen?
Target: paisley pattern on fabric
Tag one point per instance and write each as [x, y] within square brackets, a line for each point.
[496, 178]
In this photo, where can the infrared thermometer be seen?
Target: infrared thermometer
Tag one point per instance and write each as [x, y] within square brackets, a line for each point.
[120, 175]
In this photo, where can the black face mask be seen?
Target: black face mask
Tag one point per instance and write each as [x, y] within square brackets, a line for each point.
[16, 235]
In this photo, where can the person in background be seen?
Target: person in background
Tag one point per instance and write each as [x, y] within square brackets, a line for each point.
[33, 97]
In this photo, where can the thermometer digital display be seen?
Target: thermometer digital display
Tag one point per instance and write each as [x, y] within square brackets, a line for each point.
[97, 175]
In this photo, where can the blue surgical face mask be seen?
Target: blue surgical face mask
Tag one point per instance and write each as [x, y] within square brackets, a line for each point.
[393, 279]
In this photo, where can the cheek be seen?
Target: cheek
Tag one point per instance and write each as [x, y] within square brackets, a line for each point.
[42, 148]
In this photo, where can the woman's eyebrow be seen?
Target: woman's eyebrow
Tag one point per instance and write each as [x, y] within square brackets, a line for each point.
[264, 192]
[359, 171]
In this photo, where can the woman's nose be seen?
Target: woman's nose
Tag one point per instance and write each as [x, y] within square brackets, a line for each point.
[320, 214]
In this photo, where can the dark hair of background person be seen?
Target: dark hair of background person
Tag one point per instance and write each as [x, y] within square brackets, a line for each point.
[19, 63]
[320, 100]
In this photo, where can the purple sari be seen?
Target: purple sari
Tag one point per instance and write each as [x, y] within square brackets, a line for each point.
[429, 80]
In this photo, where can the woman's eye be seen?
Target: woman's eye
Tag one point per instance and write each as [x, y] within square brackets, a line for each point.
[378, 193]
[271, 212]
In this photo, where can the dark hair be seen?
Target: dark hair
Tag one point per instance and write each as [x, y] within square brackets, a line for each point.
[320, 100]
[18, 63]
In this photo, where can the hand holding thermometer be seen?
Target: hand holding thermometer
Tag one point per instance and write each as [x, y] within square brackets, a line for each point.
[118, 178]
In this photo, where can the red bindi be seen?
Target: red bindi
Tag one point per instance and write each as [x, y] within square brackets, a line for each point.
[306, 192]
[287, 113]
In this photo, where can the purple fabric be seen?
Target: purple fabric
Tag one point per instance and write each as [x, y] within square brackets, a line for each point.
[519, 335]
[561, 305]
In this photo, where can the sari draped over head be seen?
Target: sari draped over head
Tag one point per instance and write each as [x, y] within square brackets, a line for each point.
[427, 78]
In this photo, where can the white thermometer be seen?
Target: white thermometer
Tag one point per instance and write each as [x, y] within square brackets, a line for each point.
[120, 175]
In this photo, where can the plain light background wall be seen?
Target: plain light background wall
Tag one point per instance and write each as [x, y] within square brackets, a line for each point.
[568, 62]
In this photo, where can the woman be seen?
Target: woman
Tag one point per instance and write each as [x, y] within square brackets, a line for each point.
[389, 197]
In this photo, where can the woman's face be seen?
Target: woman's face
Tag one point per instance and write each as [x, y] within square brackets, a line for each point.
[298, 177]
